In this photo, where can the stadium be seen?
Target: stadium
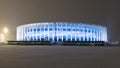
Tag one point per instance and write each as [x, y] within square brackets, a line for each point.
[61, 31]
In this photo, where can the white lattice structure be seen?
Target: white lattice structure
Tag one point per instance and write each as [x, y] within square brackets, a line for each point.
[60, 31]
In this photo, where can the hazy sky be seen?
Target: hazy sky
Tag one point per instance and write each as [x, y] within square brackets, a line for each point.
[16, 12]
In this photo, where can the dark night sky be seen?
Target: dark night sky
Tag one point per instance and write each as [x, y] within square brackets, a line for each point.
[103, 12]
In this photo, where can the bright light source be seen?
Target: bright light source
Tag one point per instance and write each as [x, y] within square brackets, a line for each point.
[2, 36]
[5, 30]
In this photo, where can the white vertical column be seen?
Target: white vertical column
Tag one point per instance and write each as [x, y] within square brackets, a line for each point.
[106, 35]
[36, 32]
[28, 38]
[40, 31]
[23, 32]
[90, 34]
[99, 34]
[87, 33]
[17, 34]
[84, 34]
[32, 31]
[48, 32]
[43, 31]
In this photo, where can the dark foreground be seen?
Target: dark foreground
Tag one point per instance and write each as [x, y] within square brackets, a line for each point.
[59, 57]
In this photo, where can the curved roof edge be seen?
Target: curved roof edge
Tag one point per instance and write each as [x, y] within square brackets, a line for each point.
[65, 22]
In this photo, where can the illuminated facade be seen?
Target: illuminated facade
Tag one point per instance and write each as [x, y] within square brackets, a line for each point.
[61, 31]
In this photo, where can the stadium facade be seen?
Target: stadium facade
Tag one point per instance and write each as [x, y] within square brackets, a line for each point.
[61, 31]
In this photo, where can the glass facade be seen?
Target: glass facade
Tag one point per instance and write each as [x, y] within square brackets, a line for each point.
[61, 31]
